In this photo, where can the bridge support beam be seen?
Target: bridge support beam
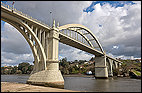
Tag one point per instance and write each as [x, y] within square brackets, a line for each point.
[110, 71]
[51, 76]
[116, 65]
[100, 67]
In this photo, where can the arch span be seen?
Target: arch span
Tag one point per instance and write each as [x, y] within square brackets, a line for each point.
[30, 36]
[78, 29]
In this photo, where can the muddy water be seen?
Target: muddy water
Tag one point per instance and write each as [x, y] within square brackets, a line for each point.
[89, 83]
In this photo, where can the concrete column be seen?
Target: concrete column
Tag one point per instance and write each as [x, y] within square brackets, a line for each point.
[70, 33]
[36, 46]
[77, 36]
[119, 65]
[39, 37]
[110, 73]
[33, 31]
[116, 65]
[43, 39]
[82, 39]
[100, 67]
[46, 44]
[52, 75]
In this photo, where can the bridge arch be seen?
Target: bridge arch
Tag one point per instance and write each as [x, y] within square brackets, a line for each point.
[30, 36]
[78, 29]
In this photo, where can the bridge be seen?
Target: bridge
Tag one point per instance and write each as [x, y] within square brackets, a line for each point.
[44, 42]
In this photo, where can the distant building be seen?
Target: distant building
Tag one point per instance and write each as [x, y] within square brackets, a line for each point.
[132, 57]
[89, 72]
[81, 66]
[85, 62]
[77, 65]
[138, 60]
[6, 69]
[5, 66]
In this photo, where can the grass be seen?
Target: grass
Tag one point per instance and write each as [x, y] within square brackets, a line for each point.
[137, 72]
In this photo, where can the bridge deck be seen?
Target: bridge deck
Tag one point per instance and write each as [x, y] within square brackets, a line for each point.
[74, 43]
[25, 17]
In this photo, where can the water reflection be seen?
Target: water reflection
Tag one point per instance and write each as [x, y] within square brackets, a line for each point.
[102, 85]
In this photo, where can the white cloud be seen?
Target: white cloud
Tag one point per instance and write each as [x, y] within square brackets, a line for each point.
[73, 54]
[14, 48]
[62, 11]
[15, 59]
[115, 47]
[12, 41]
[120, 26]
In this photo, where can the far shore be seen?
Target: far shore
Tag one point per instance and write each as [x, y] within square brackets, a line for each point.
[78, 75]
[67, 75]
[81, 75]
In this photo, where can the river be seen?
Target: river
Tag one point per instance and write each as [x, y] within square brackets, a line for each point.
[90, 84]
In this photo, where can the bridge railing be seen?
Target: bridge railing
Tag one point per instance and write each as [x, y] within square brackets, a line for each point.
[21, 13]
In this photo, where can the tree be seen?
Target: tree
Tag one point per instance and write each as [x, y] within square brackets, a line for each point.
[75, 61]
[18, 72]
[14, 69]
[2, 70]
[92, 59]
[64, 66]
[23, 67]
[30, 69]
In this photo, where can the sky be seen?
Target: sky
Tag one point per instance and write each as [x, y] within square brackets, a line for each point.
[116, 24]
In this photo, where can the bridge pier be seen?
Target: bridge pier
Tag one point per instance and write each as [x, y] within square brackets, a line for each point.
[100, 67]
[51, 76]
[110, 70]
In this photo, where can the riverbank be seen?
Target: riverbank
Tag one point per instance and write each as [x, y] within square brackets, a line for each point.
[77, 75]
[19, 87]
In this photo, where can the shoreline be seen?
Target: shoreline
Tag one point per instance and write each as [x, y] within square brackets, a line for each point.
[20, 87]
[82, 75]
[77, 75]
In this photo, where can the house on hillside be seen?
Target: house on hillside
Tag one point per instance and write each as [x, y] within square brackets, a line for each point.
[86, 62]
[138, 60]
[89, 72]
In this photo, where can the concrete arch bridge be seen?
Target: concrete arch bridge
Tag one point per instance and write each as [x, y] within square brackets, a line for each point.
[44, 42]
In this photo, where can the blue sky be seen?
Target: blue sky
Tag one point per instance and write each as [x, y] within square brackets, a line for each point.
[112, 3]
[112, 22]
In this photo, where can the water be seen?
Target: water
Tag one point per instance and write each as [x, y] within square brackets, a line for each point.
[88, 83]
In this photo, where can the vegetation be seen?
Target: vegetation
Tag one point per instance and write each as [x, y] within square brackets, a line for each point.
[129, 66]
[76, 67]
[137, 72]
[23, 68]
